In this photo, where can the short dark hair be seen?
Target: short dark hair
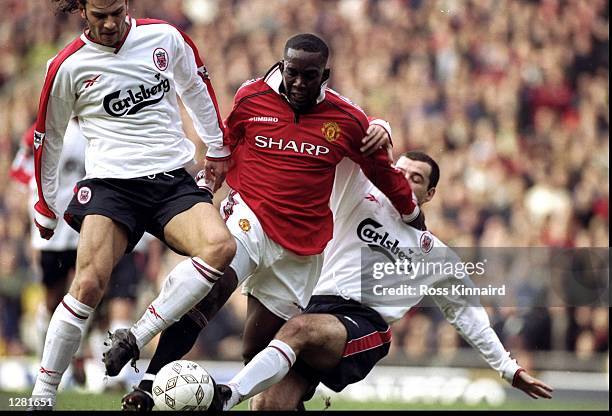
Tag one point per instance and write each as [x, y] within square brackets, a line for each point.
[434, 176]
[309, 43]
[67, 6]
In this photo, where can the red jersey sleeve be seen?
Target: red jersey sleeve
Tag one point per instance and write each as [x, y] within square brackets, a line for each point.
[380, 172]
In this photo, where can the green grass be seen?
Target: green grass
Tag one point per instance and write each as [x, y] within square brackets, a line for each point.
[111, 401]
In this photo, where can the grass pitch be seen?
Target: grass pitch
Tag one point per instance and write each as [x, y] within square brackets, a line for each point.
[112, 401]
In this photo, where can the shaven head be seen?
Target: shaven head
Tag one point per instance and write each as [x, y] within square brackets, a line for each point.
[309, 43]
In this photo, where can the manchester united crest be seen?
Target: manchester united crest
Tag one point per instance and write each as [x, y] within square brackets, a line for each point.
[331, 131]
[244, 224]
[160, 59]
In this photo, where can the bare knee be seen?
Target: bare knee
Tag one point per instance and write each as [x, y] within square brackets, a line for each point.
[299, 332]
[90, 281]
[88, 289]
[219, 249]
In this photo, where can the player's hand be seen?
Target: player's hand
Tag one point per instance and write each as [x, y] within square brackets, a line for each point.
[376, 137]
[531, 386]
[45, 233]
[215, 171]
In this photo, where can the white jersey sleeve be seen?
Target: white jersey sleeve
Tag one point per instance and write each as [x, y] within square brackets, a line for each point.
[71, 170]
[472, 322]
[56, 106]
[195, 90]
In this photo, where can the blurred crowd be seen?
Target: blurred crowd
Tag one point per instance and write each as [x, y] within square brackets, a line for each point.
[509, 96]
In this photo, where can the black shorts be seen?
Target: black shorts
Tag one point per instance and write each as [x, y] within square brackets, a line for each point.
[368, 341]
[141, 204]
[126, 276]
[56, 265]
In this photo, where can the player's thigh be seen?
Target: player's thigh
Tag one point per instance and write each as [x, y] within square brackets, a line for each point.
[260, 327]
[285, 395]
[200, 231]
[321, 339]
[102, 242]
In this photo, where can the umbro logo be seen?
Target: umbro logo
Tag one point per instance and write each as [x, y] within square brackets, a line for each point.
[265, 119]
[89, 82]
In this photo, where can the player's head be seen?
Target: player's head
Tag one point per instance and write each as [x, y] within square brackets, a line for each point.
[304, 67]
[105, 18]
[422, 172]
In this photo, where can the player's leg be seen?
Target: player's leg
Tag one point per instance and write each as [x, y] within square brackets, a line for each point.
[321, 337]
[102, 243]
[260, 327]
[285, 395]
[57, 272]
[200, 233]
[179, 338]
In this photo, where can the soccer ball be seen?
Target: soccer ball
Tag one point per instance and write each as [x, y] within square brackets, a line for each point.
[183, 385]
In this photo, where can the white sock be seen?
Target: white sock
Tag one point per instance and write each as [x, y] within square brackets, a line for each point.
[68, 323]
[187, 284]
[264, 370]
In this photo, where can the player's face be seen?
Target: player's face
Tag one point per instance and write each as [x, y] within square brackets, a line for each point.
[106, 20]
[417, 173]
[303, 74]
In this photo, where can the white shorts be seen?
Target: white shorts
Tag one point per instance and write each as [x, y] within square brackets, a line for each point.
[280, 279]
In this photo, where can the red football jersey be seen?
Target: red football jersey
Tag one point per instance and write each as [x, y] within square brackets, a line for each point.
[284, 163]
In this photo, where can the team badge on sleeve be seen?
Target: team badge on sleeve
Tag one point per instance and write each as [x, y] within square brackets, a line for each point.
[38, 139]
[160, 59]
[331, 131]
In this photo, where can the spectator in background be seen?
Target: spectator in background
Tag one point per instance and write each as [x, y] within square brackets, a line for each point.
[517, 91]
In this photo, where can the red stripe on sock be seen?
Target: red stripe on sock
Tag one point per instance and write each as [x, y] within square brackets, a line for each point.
[73, 312]
[203, 271]
[284, 355]
[209, 269]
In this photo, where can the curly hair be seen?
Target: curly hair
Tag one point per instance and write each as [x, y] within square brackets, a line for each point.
[67, 6]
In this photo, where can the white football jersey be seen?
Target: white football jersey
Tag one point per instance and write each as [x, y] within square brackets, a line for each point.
[368, 230]
[126, 101]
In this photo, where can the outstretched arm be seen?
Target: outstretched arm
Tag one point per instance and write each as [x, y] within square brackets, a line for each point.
[471, 320]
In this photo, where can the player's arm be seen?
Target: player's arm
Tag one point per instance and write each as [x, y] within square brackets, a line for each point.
[380, 171]
[54, 112]
[378, 135]
[471, 321]
[197, 93]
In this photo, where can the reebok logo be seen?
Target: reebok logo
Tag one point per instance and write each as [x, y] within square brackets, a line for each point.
[135, 100]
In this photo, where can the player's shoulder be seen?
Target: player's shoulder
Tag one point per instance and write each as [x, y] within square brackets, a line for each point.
[156, 28]
[67, 54]
[345, 104]
[153, 24]
[250, 89]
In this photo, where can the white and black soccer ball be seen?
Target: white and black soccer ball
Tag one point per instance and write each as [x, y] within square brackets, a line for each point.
[183, 385]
